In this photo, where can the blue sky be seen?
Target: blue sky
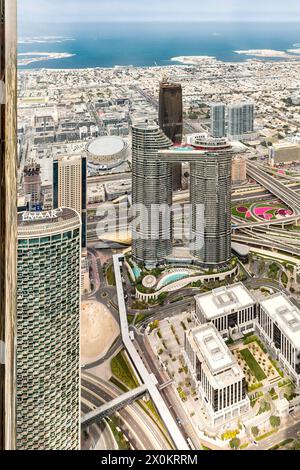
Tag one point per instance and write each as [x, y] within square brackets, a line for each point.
[157, 10]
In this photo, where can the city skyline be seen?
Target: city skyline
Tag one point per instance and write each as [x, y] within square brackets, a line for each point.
[150, 227]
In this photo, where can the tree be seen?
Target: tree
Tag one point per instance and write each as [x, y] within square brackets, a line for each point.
[296, 445]
[235, 443]
[275, 421]
[255, 431]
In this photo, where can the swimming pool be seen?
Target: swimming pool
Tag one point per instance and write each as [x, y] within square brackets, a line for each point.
[172, 277]
[136, 271]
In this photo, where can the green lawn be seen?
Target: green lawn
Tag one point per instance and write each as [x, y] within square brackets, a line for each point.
[110, 275]
[122, 370]
[253, 365]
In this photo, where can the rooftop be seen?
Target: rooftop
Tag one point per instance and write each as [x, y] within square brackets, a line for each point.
[35, 224]
[224, 300]
[216, 355]
[285, 315]
[106, 145]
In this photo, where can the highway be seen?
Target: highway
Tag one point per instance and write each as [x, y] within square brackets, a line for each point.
[100, 435]
[140, 428]
[283, 192]
[265, 242]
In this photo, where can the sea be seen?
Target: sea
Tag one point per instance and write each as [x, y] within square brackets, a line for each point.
[146, 44]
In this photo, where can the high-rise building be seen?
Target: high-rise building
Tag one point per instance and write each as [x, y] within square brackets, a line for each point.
[239, 169]
[8, 220]
[240, 120]
[151, 187]
[248, 117]
[210, 196]
[69, 187]
[210, 186]
[48, 319]
[33, 185]
[235, 121]
[217, 120]
[171, 119]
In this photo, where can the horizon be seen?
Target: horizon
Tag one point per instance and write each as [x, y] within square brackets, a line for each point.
[69, 11]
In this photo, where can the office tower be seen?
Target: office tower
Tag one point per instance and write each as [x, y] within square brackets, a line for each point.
[278, 324]
[217, 120]
[171, 120]
[69, 187]
[211, 189]
[232, 309]
[48, 319]
[235, 121]
[8, 220]
[240, 120]
[151, 186]
[33, 185]
[248, 117]
[219, 379]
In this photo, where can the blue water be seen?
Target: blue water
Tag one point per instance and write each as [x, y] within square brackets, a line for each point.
[148, 44]
[172, 278]
[136, 271]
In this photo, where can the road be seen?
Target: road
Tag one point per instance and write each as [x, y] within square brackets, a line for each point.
[271, 441]
[170, 398]
[276, 187]
[140, 427]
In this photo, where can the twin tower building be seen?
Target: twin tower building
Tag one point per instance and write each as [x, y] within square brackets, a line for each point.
[157, 156]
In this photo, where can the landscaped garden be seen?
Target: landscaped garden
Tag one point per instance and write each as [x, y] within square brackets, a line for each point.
[253, 364]
[262, 211]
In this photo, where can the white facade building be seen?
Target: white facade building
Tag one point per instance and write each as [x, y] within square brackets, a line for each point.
[278, 323]
[231, 309]
[219, 379]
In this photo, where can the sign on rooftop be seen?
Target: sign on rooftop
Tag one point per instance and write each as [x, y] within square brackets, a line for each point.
[53, 214]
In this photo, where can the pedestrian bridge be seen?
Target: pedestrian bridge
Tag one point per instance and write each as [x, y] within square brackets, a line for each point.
[113, 406]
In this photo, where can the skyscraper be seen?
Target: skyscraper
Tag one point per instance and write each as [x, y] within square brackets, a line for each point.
[171, 119]
[217, 120]
[248, 117]
[235, 121]
[69, 187]
[8, 220]
[211, 189]
[48, 319]
[151, 186]
[240, 120]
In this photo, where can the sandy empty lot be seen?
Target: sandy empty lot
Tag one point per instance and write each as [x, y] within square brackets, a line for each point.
[98, 331]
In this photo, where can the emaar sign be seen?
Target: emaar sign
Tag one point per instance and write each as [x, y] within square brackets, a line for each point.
[29, 216]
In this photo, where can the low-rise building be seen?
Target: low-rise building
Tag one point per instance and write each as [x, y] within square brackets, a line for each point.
[115, 189]
[284, 152]
[278, 323]
[219, 379]
[232, 309]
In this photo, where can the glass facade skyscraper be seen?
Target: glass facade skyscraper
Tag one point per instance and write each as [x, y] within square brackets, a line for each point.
[48, 330]
[151, 188]
[217, 120]
[171, 120]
